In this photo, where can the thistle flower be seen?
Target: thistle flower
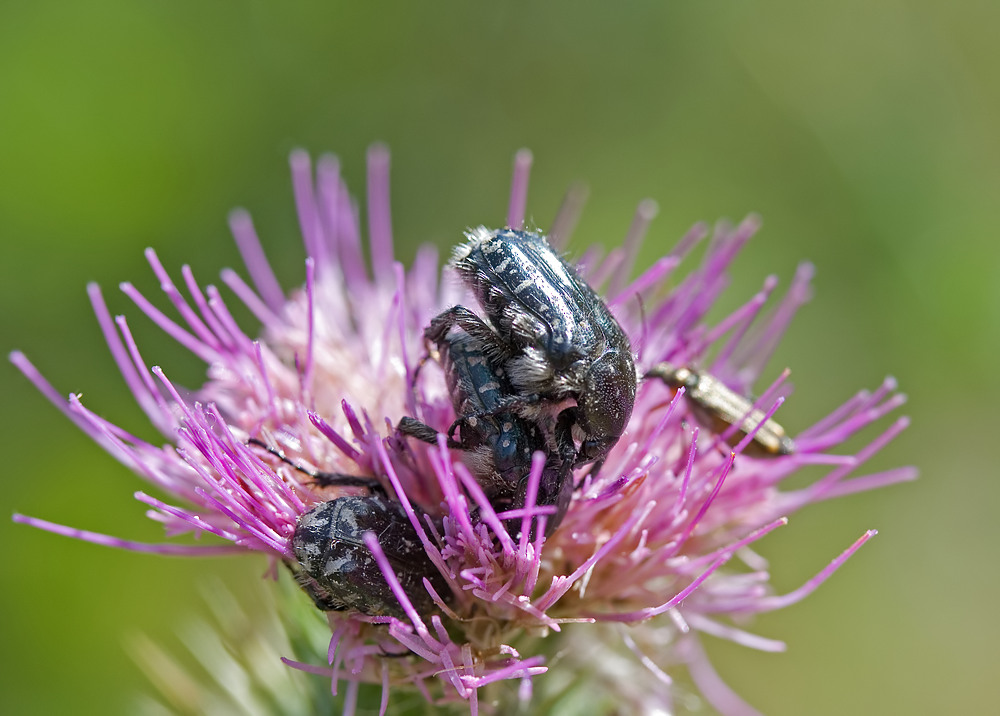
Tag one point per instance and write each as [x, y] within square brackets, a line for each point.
[659, 539]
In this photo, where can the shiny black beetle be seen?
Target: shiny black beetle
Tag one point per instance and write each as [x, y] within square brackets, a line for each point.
[498, 443]
[551, 335]
[718, 407]
[335, 567]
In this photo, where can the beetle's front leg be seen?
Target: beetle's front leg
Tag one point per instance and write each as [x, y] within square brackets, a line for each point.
[509, 404]
[478, 329]
[324, 479]
[413, 428]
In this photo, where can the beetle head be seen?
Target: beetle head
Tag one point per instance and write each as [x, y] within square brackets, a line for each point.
[605, 405]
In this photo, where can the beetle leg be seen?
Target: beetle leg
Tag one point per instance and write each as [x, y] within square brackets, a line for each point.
[324, 479]
[451, 317]
[509, 404]
[478, 329]
[564, 436]
[595, 469]
[413, 428]
[555, 488]
[461, 423]
[420, 366]
[564, 494]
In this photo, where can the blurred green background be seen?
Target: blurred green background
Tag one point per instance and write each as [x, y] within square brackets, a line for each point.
[866, 134]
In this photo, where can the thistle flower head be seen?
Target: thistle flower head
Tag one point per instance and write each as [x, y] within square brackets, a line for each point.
[660, 537]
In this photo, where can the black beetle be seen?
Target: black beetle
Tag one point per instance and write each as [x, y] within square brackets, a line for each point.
[718, 407]
[339, 572]
[335, 567]
[551, 334]
[499, 445]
